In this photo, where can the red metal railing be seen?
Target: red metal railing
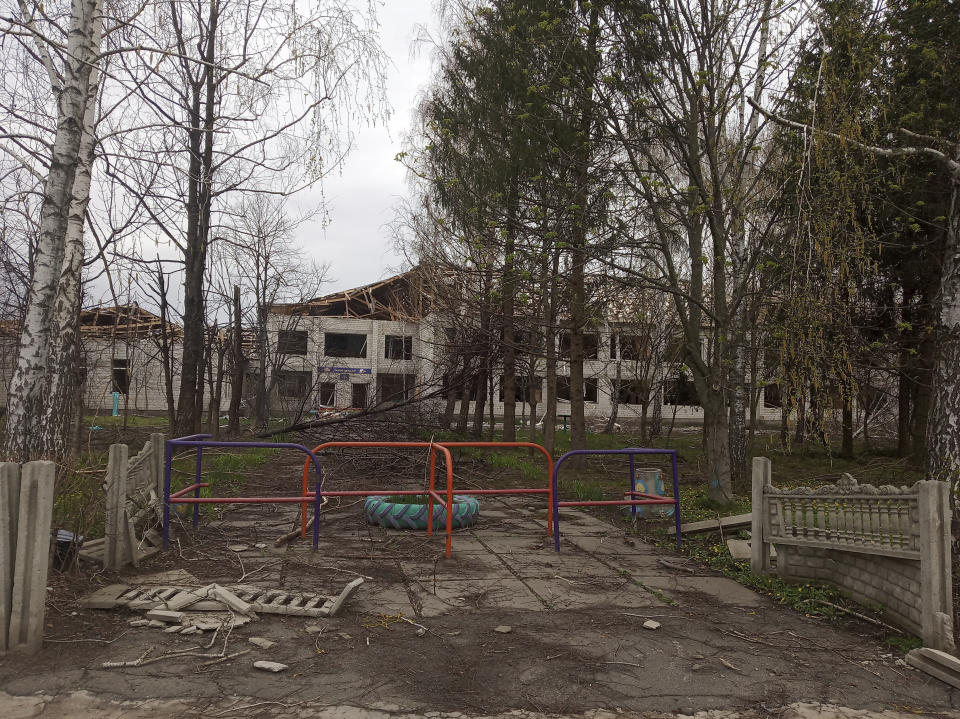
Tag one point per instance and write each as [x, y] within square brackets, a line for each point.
[432, 494]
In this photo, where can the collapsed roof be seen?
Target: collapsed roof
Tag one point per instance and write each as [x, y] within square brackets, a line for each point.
[398, 298]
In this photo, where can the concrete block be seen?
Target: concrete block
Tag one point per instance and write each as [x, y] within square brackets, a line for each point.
[165, 615]
[9, 514]
[936, 664]
[32, 556]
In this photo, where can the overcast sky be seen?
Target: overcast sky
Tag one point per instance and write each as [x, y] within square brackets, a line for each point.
[361, 199]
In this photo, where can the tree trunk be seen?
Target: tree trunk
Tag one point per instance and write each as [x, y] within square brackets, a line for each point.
[237, 366]
[717, 449]
[509, 321]
[29, 431]
[199, 205]
[656, 419]
[944, 434]
[615, 397]
[846, 427]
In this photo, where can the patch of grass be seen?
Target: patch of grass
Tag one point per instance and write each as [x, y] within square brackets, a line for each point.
[903, 644]
[583, 491]
[407, 499]
[224, 470]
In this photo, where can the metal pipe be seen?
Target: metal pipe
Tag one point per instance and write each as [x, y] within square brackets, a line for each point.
[528, 445]
[626, 502]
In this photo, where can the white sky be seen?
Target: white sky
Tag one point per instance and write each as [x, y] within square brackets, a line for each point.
[361, 199]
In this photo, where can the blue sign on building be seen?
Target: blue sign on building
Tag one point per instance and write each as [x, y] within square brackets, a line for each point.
[346, 370]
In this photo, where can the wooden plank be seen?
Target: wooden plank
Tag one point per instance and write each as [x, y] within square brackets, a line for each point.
[712, 525]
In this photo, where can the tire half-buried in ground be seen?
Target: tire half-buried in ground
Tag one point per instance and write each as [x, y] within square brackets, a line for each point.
[400, 515]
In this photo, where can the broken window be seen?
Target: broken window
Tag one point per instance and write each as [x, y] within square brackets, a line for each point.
[395, 387]
[328, 394]
[527, 391]
[634, 392]
[293, 384]
[120, 376]
[591, 344]
[292, 342]
[358, 395]
[629, 347]
[342, 344]
[398, 347]
[681, 391]
[772, 397]
[591, 389]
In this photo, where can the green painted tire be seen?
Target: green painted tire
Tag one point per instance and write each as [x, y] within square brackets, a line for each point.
[414, 516]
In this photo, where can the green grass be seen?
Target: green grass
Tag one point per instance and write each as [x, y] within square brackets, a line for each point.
[225, 470]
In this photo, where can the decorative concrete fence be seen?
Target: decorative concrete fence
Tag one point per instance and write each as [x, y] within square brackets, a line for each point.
[26, 509]
[884, 545]
[134, 508]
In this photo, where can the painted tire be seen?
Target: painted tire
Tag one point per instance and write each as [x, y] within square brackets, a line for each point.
[414, 516]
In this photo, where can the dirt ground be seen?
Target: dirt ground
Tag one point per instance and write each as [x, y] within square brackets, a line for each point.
[419, 635]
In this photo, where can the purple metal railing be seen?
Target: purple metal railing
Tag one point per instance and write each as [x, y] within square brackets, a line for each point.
[202, 440]
[632, 502]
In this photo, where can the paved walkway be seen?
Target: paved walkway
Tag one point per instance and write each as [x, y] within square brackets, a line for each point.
[575, 641]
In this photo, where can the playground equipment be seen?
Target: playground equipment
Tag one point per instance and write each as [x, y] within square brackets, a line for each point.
[442, 448]
[203, 440]
[636, 498]
[381, 511]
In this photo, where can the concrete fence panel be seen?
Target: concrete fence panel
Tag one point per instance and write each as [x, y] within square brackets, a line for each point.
[885, 545]
[9, 519]
[32, 555]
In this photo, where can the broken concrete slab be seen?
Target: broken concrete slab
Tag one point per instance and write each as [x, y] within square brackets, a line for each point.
[710, 525]
[106, 597]
[651, 624]
[344, 596]
[165, 615]
[262, 642]
[189, 597]
[503, 629]
[224, 595]
[941, 665]
[739, 549]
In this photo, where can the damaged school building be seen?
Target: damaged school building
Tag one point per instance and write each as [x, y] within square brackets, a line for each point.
[379, 344]
[385, 343]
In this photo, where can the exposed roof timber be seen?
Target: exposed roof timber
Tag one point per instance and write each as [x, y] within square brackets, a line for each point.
[389, 299]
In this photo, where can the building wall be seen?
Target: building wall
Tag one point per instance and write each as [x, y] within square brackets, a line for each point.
[344, 372]
[426, 366]
[146, 391]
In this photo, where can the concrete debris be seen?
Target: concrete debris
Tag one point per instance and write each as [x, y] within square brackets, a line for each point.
[260, 545]
[739, 549]
[315, 628]
[344, 595]
[269, 666]
[237, 547]
[707, 525]
[105, 598]
[187, 598]
[941, 665]
[174, 629]
[232, 600]
[503, 629]
[262, 642]
[155, 624]
[651, 624]
[191, 630]
[139, 622]
[165, 615]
